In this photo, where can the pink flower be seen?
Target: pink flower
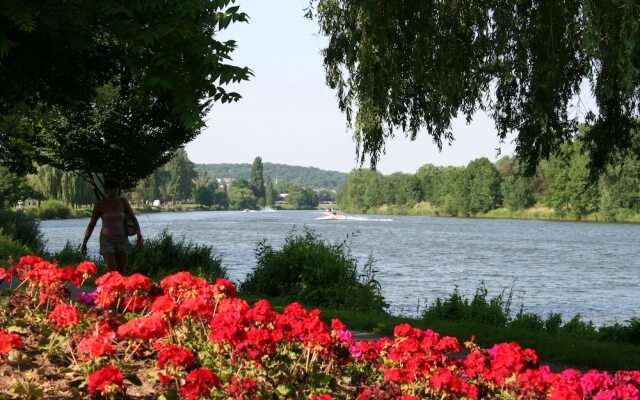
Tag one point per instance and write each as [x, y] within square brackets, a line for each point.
[88, 298]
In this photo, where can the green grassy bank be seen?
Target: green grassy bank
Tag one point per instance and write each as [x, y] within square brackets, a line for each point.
[533, 213]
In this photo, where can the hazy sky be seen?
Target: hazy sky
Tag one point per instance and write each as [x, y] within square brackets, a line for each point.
[288, 115]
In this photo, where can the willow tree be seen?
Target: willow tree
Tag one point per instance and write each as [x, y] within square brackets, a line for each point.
[102, 87]
[412, 65]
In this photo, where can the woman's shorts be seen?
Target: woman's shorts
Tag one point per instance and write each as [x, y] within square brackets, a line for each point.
[114, 246]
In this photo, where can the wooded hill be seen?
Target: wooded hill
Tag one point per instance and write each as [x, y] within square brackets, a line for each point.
[311, 177]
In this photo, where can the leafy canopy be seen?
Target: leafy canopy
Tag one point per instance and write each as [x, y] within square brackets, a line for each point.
[102, 87]
[410, 65]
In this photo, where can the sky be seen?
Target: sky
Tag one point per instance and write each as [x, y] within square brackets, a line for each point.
[287, 114]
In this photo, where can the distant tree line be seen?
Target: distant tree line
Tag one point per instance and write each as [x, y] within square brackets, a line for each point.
[301, 176]
[561, 183]
[177, 181]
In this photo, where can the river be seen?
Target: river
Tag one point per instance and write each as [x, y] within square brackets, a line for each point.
[591, 269]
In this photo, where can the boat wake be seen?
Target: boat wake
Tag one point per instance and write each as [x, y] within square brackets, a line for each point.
[339, 216]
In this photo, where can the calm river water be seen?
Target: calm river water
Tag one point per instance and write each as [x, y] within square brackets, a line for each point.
[565, 267]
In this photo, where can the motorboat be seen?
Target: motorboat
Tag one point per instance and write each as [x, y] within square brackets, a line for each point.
[333, 214]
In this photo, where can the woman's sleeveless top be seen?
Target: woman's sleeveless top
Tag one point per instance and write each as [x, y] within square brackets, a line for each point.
[113, 226]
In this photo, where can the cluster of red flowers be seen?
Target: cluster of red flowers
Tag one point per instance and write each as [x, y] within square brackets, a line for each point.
[107, 380]
[194, 327]
[9, 341]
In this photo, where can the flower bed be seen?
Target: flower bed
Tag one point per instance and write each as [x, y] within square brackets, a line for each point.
[192, 339]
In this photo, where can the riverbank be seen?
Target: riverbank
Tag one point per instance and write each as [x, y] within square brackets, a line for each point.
[533, 213]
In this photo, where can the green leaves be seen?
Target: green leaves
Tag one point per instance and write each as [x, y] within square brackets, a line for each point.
[106, 87]
[416, 65]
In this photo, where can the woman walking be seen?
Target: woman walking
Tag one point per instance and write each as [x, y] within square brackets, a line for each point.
[114, 243]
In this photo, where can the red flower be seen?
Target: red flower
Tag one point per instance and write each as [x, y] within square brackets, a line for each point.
[164, 305]
[403, 330]
[4, 274]
[87, 268]
[64, 315]
[595, 380]
[98, 345]
[399, 375]
[72, 275]
[145, 328]
[237, 387]
[337, 325]
[262, 312]
[177, 356]
[321, 397]
[9, 341]
[199, 382]
[107, 380]
[226, 287]
[137, 282]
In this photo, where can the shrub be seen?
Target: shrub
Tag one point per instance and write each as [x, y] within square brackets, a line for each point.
[162, 256]
[70, 254]
[23, 229]
[622, 333]
[495, 311]
[528, 321]
[50, 209]
[577, 327]
[314, 272]
[11, 248]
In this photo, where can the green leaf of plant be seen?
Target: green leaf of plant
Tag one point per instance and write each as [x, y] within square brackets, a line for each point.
[283, 389]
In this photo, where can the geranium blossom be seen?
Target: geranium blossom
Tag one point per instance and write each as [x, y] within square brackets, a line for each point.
[199, 382]
[106, 380]
[191, 328]
[9, 341]
[145, 328]
[64, 315]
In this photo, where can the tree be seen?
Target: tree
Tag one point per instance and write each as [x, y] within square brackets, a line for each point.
[409, 65]
[55, 184]
[256, 180]
[180, 176]
[302, 198]
[483, 184]
[567, 176]
[270, 193]
[102, 88]
[516, 193]
[204, 195]
[453, 192]
[241, 198]
[12, 188]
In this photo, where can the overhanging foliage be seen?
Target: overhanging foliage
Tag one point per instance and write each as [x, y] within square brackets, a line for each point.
[409, 65]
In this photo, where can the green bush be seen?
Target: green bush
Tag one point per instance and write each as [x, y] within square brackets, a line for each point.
[23, 229]
[69, 255]
[162, 256]
[494, 311]
[50, 209]
[528, 321]
[11, 248]
[315, 273]
[622, 333]
[577, 327]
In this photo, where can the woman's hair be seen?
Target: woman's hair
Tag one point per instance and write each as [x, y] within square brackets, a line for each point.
[111, 183]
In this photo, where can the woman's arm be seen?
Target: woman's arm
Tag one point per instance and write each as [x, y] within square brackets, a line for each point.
[92, 223]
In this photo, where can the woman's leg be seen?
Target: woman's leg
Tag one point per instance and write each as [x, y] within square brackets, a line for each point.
[121, 259]
[110, 261]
